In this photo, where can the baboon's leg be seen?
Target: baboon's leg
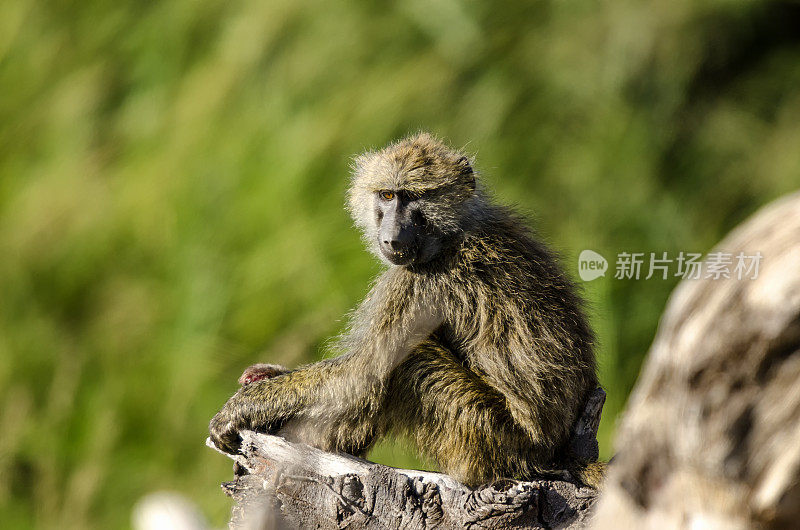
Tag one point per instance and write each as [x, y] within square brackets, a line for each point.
[455, 418]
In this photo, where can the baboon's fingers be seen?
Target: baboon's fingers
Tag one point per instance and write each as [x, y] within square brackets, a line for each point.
[224, 434]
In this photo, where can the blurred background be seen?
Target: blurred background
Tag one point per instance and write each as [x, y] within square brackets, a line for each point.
[172, 179]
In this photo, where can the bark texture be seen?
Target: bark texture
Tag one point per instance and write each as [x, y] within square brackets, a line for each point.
[711, 437]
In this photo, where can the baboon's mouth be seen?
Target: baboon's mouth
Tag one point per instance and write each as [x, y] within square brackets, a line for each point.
[400, 257]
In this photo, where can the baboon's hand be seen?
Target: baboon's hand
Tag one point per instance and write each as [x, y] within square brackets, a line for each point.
[224, 430]
[263, 406]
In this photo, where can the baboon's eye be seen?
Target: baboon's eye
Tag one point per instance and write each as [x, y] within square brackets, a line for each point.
[387, 195]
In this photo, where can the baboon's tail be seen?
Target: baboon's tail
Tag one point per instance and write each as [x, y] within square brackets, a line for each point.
[590, 474]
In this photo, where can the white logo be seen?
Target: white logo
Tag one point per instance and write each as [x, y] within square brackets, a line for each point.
[591, 265]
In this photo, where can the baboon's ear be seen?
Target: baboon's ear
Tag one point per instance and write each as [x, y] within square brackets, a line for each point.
[465, 169]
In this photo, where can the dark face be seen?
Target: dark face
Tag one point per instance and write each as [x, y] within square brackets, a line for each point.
[403, 235]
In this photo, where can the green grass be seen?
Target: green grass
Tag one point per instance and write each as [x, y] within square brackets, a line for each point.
[172, 179]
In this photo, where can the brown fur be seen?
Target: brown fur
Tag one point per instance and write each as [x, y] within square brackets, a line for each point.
[480, 353]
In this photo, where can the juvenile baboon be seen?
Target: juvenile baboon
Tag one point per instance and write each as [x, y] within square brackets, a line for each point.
[472, 342]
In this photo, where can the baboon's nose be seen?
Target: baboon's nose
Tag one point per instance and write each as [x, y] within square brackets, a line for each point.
[394, 244]
[396, 239]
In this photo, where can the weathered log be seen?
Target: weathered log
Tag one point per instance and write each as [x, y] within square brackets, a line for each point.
[281, 484]
[711, 438]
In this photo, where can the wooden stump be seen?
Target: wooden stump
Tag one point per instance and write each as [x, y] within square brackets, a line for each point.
[280, 484]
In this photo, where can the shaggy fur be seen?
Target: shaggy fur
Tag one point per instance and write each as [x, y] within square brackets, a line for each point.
[480, 352]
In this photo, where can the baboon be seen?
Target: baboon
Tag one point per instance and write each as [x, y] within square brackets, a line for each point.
[472, 342]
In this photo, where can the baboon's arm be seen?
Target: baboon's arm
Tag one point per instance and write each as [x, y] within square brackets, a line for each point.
[332, 404]
[454, 416]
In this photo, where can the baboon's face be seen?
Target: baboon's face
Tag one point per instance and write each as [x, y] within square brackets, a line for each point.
[402, 229]
[410, 198]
